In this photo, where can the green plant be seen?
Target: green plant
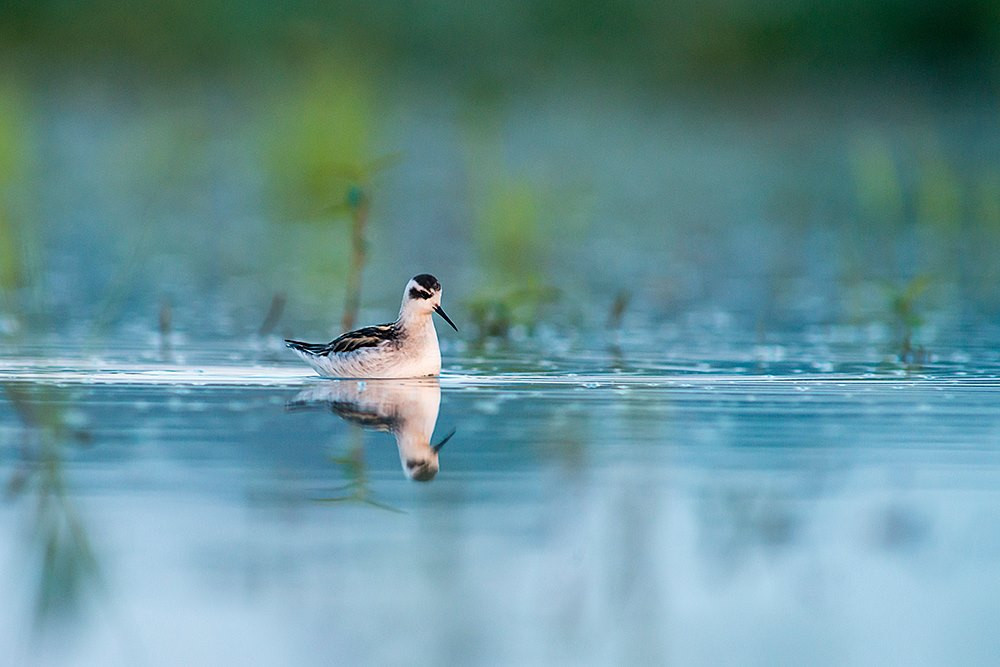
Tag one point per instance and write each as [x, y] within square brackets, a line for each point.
[323, 169]
[904, 303]
[68, 567]
[18, 236]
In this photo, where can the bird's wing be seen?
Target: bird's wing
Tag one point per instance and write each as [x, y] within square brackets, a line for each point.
[360, 338]
[351, 411]
[312, 348]
[370, 419]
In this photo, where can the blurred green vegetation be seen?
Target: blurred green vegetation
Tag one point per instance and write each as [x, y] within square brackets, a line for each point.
[905, 303]
[68, 571]
[314, 90]
[19, 247]
[922, 220]
[321, 141]
[511, 243]
[513, 224]
[25, 282]
[661, 40]
[323, 165]
[14, 154]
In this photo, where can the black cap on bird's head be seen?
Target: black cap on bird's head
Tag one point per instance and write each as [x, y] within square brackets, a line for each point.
[427, 281]
[425, 287]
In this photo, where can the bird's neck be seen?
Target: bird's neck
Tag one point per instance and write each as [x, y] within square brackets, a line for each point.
[413, 321]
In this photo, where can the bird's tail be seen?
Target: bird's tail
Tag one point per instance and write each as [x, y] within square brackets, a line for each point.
[310, 348]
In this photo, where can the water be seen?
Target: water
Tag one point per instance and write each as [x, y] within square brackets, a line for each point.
[801, 501]
[782, 450]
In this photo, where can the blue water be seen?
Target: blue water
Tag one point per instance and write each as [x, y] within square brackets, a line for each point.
[747, 412]
[781, 504]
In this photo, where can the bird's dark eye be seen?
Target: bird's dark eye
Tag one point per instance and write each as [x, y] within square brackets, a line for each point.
[416, 293]
[413, 463]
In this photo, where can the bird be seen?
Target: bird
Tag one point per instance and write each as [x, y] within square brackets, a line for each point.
[408, 410]
[405, 348]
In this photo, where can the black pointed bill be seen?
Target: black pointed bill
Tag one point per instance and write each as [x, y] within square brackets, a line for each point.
[440, 311]
[437, 447]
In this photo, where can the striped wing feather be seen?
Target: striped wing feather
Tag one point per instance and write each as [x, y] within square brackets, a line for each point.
[351, 411]
[366, 418]
[348, 342]
[355, 340]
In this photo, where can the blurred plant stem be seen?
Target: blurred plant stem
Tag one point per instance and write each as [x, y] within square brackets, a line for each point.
[904, 302]
[358, 203]
[616, 314]
[274, 312]
[355, 469]
[323, 170]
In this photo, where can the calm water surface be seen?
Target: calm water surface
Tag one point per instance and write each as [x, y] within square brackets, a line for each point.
[700, 488]
[799, 501]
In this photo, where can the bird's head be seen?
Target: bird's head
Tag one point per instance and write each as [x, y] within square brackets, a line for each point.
[423, 296]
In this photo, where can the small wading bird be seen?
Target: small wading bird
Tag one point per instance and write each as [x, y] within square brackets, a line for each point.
[405, 348]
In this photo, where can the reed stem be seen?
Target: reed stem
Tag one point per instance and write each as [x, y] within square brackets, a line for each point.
[359, 218]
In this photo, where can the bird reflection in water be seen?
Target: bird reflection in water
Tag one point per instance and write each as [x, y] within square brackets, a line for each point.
[406, 408]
